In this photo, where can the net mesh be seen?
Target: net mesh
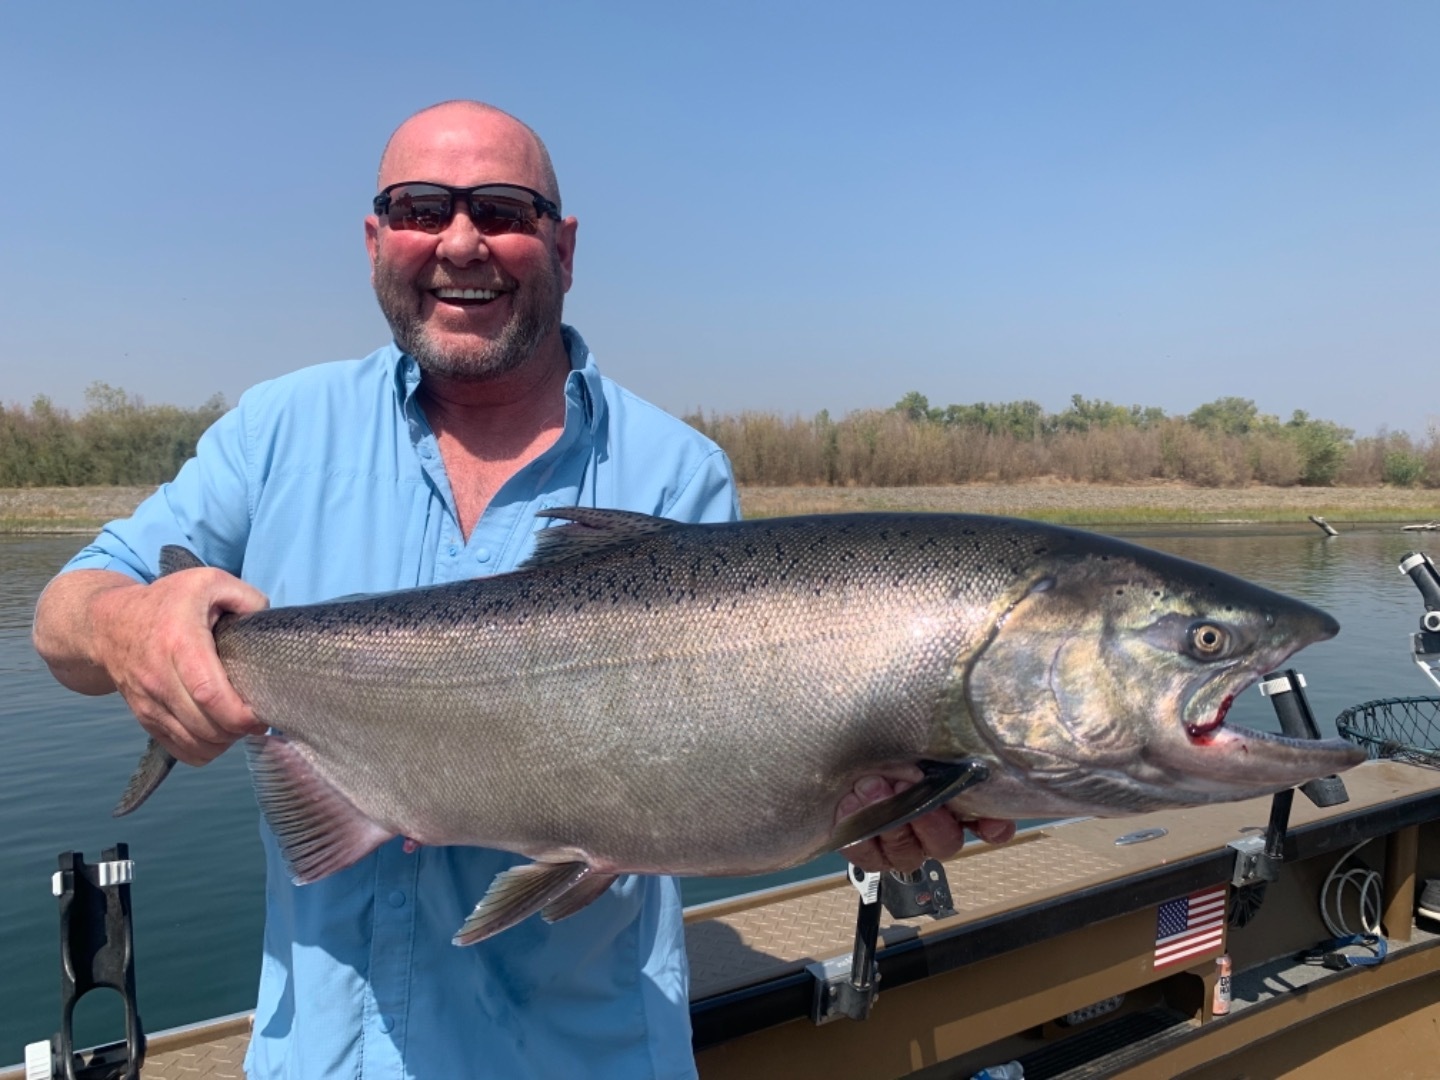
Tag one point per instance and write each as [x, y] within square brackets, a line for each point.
[1405, 729]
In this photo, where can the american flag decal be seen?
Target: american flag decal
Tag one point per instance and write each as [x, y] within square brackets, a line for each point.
[1190, 926]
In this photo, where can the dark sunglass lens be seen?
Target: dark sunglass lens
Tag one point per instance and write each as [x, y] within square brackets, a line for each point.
[494, 217]
[427, 211]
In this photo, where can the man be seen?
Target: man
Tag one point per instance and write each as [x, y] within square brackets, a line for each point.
[425, 462]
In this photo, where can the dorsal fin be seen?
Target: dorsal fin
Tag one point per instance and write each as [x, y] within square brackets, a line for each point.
[590, 531]
[174, 558]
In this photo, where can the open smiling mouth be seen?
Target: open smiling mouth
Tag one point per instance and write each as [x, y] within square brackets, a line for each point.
[466, 296]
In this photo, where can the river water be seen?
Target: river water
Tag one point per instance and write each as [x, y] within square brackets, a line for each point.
[198, 893]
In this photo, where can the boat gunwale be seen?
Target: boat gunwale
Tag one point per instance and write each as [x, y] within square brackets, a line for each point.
[946, 944]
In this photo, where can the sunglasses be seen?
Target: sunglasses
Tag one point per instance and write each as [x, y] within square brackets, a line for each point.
[495, 209]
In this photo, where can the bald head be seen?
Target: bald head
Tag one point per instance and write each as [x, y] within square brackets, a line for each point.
[424, 278]
[456, 126]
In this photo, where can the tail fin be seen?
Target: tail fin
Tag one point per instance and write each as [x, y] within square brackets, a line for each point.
[156, 762]
[155, 765]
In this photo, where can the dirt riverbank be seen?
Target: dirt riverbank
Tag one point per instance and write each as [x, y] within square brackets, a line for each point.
[67, 509]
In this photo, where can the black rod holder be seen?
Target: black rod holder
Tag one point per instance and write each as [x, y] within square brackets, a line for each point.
[1418, 567]
[97, 949]
[1279, 824]
[1286, 691]
[862, 959]
[846, 985]
[1258, 859]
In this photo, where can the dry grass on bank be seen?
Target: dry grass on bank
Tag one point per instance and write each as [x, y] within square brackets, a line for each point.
[85, 509]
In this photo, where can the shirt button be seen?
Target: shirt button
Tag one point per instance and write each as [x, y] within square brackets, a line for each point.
[454, 550]
[387, 1023]
[482, 554]
[397, 899]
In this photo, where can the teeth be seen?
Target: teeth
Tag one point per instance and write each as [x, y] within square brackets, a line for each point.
[466, 294]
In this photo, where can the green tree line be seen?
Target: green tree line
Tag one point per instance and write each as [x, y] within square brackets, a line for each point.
[118, 439]
[1223, 443]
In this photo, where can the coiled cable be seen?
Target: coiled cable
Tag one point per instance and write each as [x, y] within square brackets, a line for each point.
[1366, 883]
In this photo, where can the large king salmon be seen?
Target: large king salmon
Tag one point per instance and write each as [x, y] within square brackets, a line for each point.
[646, 696]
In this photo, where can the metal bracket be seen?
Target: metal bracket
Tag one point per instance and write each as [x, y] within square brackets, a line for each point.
[924, 892]
[1253, 865]
[836, 994]
[1425, 651]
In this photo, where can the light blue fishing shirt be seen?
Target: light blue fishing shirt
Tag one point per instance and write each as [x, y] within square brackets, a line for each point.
[328, 482]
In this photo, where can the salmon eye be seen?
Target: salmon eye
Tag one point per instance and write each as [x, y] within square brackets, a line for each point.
[1207, 641]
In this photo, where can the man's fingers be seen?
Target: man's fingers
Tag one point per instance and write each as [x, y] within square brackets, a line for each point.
[939, 834]
[899, 848]
[992, 830]
[230, 594]
[208, 691]
[160, 653]
[867, 856]
[160, 723]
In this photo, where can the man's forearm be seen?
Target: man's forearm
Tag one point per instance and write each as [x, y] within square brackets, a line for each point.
[64, 633]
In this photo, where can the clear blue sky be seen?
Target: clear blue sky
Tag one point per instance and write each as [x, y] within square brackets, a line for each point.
[782, 206]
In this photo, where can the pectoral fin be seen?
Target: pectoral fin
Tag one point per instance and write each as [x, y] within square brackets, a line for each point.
[320, 831]
[943, 780]
[517, 894]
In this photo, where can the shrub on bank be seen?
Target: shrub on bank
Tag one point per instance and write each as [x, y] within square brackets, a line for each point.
[1225, 443]
[121, 440]
[117, 440]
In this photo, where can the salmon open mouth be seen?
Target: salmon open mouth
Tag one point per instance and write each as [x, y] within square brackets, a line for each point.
[1201, 732]
[1204, 728]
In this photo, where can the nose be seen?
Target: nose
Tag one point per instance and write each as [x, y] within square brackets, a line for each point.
[461, 243]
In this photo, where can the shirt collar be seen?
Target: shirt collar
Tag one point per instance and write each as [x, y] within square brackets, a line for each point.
[582, 387]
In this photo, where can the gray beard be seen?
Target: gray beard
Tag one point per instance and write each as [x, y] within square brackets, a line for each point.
[536, 314]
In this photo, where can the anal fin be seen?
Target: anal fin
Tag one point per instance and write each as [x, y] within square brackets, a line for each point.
[943, 780]
[580, 895]
[320, 831]
[517, 894]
